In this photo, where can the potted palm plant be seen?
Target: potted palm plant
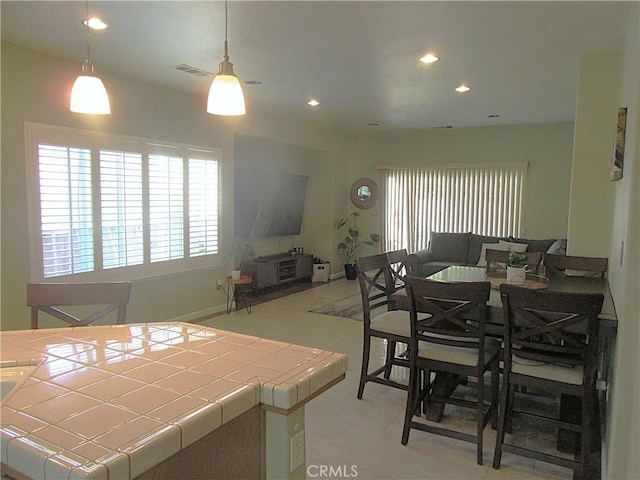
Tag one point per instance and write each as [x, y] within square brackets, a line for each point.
[516, 267]
[352, 243]
[242, 251]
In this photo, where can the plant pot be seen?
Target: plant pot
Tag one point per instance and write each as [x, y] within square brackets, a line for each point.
[235, 274]
[350, 271]
[516, 274]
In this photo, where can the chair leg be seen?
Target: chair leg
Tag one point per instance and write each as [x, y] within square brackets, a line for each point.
[366, 347]
[391, 353]
[479, 418]
[585, 443]
[502, 418]
[495, 388]
[413, 402]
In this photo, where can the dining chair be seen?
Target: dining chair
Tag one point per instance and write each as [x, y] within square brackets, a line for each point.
[101, 298]
[575, 266]
[448, 335]
[497, 260]
[380, 321]
[550, 344]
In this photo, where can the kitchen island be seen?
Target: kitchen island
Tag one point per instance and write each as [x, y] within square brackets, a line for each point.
[158, 400]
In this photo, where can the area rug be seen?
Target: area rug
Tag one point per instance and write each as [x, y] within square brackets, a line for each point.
[348, 307]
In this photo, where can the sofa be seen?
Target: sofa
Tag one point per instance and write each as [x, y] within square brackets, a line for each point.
[468, 248]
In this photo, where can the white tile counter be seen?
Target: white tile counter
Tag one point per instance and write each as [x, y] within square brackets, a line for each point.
[113, 401]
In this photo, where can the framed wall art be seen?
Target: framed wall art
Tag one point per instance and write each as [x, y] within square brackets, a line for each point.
[617, 162]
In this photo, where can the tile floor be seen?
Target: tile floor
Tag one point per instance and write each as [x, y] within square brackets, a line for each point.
[351, 438]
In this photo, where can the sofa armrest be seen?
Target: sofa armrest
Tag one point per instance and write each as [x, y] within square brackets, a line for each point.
[416, 259]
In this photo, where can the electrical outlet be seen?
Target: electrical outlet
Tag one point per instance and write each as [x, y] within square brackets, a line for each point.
[297, 450]
[218, 284]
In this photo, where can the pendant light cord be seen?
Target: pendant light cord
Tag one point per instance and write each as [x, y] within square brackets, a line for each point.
[226, 43]
[88, 30]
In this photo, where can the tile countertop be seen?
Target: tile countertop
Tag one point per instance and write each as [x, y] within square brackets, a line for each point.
[113, 401]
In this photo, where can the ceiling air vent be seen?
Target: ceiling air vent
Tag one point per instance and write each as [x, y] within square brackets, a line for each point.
[192, 70]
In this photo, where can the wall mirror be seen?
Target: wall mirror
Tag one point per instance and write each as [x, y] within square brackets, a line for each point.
[364, 193]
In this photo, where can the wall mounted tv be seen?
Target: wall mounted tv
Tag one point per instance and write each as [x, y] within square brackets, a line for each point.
[268, 204]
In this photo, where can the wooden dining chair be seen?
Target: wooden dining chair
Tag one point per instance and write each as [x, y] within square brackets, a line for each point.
[379, 321]
[550, 344]
[575, 266]
[54, 298]
[448, 335]
[497, 260]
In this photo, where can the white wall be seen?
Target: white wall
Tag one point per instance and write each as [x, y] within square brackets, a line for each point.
[624, 276]
[592, 193]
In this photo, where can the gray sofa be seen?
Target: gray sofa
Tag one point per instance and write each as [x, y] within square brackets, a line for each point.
[447, 249]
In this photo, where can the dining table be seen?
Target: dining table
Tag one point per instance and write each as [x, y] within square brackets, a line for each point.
[569, 407]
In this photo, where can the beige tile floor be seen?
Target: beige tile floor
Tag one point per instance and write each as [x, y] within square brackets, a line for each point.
[351, 438]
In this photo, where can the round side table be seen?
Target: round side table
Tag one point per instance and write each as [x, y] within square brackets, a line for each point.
[236, 293]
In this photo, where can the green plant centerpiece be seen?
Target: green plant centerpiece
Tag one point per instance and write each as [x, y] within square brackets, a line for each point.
[352, 243]
[242, 251]
[517, 259]
[516, 267]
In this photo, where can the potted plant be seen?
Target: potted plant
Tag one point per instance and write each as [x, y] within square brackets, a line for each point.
[242, 251]
[516, 267]
[352, 243]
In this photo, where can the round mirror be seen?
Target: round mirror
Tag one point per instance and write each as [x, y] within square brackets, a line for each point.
[364, 193]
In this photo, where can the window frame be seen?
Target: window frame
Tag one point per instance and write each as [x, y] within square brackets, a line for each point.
[36, 134]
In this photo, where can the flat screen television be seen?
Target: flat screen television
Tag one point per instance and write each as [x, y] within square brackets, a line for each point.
[268, 204]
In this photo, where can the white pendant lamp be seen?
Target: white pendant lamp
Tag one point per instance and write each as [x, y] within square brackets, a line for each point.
[88, 94]
[225, 95]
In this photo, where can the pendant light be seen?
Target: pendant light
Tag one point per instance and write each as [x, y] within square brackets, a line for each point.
[88, 94]
[225, 94]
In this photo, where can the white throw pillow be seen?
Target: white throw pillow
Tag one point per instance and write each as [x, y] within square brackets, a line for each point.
[516, 247]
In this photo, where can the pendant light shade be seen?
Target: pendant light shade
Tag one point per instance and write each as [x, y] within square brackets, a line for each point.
[88, 94]
[225, 94]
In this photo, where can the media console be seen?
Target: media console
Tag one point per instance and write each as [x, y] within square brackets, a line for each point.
[270, 270]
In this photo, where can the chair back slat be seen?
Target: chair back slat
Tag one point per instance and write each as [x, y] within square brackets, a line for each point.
[105, 298]
[497, 260]
[373, 278]
[576, 266]
[399, 267]
[456, 311]
[551, 327]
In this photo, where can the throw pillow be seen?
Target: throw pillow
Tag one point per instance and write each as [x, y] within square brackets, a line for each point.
[559, 247]
[449, 247]
[516, 247]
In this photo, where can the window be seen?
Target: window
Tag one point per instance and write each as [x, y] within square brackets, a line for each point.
[483, 199]
[112, 207]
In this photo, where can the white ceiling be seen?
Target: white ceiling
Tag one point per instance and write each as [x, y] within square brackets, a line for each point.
[359, 59]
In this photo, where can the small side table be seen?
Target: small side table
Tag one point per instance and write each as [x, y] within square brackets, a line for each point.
[236, 293]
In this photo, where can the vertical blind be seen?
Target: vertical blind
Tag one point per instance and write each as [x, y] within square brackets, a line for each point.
[486, 200]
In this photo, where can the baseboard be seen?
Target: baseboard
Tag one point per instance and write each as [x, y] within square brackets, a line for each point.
[207, 312]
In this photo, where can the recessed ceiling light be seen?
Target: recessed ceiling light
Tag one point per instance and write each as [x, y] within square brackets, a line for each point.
[462, 88]
[94, 23]
[313, 102]
[429, 58]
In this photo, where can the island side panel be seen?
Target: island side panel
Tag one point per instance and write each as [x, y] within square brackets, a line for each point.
[236, 450]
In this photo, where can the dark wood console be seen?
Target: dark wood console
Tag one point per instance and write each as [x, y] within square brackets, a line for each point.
[271, 270]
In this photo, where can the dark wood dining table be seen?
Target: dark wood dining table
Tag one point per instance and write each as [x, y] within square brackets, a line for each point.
[495, 325]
